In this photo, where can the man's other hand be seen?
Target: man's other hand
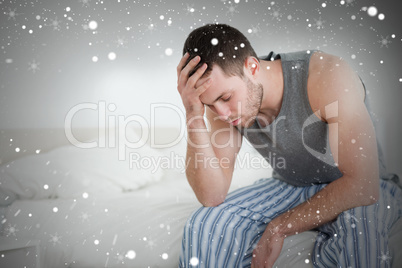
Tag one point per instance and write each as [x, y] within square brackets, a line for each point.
[267, 250]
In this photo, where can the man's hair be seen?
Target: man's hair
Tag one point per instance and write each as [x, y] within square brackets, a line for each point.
[219, 44]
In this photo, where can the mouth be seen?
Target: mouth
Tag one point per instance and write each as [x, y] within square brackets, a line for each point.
[235, 122]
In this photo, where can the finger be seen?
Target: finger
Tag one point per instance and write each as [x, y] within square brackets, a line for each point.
[197, 75]
[201, 89]
[181, 63]
[183, 76]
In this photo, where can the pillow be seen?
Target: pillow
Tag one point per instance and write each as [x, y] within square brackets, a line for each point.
[72, 172]
[46, 176]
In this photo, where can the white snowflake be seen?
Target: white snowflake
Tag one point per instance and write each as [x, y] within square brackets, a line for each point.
[385, 257]
[85, 2]
[150, 27]
[349, 217]
[85, 216]
[319, 23]
[151, 244]
[296, 67]
[276, 14]
[319, 239]
[55, 23]
[55, 239]
[12, 14]
[33, 66]
[350, 2]
[121, 42]
[384, 41]
[232, 9]
[254, 30]
[190, 9]
[10, 230]
[119, 258]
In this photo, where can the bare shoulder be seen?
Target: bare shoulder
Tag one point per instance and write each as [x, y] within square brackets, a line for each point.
[320, 61]
[331, 79]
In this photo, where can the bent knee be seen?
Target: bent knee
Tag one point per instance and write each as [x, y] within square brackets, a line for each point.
[203, 217]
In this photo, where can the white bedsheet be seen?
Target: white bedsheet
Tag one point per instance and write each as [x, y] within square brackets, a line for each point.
[106, 232]
[114, 220]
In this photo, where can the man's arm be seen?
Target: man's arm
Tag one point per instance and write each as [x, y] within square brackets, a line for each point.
[211, 157]
[209, 165]
[353, 144]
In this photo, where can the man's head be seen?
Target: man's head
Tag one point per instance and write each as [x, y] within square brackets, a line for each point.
[219, 44]
[234, 94]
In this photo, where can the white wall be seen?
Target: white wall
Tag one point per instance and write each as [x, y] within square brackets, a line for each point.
[143, 74]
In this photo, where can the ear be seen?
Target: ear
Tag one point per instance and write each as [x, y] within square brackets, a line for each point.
[251, 66]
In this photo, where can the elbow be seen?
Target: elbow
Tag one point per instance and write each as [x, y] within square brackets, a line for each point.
[208, 201]
[209, 195]
[210, 204]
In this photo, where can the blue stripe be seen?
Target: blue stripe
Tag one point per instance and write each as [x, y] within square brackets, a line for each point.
[241, 194]
[201, 233]
[281, 207]
[232, 241]
[214, 216]
[331, 249]
[251, 237]
[365, 231]
[233, 229]
[222, 241]
[211, 244]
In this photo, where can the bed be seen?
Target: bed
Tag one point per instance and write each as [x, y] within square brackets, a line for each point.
[66, 206]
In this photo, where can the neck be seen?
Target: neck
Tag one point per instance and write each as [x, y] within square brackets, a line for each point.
[271, 78]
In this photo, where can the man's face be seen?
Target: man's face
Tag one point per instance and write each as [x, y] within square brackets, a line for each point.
[235, 100]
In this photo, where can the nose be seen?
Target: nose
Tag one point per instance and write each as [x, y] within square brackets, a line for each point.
[223, 111]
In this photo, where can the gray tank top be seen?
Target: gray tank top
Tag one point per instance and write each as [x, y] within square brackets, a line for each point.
[296, 143]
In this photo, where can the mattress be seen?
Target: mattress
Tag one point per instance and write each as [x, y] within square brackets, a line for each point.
[90, 208]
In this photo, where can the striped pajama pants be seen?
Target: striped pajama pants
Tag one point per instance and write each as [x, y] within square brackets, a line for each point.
[225, 236]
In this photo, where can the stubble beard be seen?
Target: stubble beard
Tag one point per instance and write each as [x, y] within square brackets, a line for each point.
[253, 103]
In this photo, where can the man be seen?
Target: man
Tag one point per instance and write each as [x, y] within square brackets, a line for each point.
[308, 108]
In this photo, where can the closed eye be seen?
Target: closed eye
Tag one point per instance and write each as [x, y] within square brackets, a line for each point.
[226, 99]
